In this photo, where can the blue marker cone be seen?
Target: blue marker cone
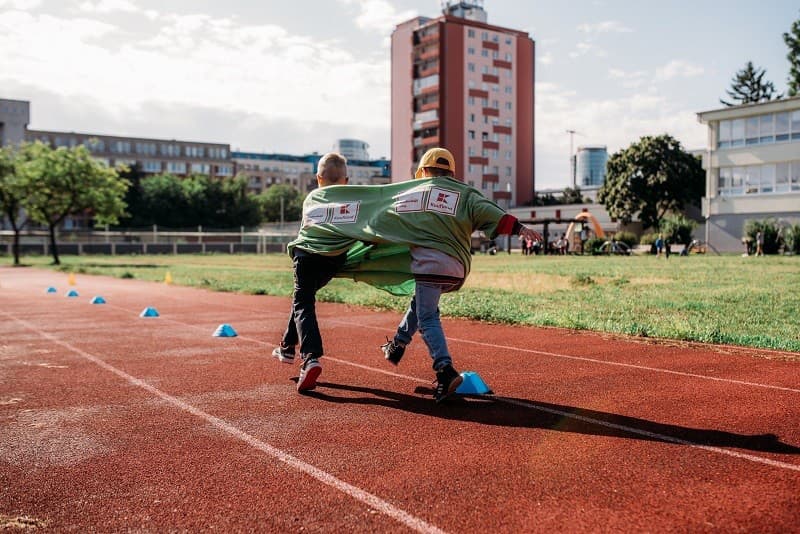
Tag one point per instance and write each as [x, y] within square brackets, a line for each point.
[224, 330]
[98, 300]
[149, 312]
[51, 289]
[72, 293]
[473, 384]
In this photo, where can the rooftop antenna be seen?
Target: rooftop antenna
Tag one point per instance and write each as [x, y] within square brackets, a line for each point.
[572, 169]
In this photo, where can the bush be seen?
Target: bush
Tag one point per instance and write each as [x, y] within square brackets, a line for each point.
[769, 228]
[648, 239]
[791, 237]
[629, 238]
[677, 229]
[593, 244]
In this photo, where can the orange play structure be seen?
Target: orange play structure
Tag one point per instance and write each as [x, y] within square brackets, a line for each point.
[585, 217]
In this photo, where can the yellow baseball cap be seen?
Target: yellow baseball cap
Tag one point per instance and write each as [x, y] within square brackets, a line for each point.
[439, 158]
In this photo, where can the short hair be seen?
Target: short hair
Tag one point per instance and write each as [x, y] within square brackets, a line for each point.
[332, 167]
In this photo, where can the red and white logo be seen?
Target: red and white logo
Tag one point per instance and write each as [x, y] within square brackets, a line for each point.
[346, 212]
[409, 201]
[443, 201]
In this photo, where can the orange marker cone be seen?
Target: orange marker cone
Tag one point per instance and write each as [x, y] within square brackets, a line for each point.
[71, 279]
[167, 278]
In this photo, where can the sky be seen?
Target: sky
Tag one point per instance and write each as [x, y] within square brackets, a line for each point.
[292, 77]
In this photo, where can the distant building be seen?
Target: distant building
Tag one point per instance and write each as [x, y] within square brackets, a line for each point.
[14, 118]
[590, 169]
[752, 167]
[265, 170]
[352, 149]
[152, 156]
[466, 85]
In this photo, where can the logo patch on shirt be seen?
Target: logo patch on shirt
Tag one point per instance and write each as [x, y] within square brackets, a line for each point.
[315, 215]
[346, 212]
[442, 201]
[409, 201]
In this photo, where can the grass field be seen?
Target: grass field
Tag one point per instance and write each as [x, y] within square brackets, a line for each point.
[750, 301]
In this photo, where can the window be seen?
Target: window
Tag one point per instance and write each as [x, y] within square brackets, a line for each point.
[508, 56]
[485, 36]
[508, 154]
[471, 117]
[485, 152]
[484, 53]
[508, 106]
[470, 33]
[485, 69]
[508, 171]
[201, 168]
[485, 136]
[782, 183]
[472, 134]
[471, 151]
[152, 166]
[725, 134]
[508, 40]
[471, 51]
[495, 54]
[471, 100]
[471, 67]
[737, 137]
[507, 89]
[796, 125]
[176, 167]
[508, 138]
[767, 178]
[795, 173]
[766, 129]
[782, 126]
[751, 131]
[471, 168]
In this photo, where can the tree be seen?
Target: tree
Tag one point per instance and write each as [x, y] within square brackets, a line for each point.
[748, 86]
[270, 201]
[651, 178]
[572, 196]
[11, 194]
[678, 229]
[792, 40]
[68, 181]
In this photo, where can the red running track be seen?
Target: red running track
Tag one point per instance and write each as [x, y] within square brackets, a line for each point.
[112, 422]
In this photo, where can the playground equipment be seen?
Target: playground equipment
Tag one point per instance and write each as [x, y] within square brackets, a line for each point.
[583, 219]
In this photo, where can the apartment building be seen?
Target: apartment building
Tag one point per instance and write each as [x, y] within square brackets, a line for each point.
[461, 83]
[152, 156]
[752, 164]
[265, 170]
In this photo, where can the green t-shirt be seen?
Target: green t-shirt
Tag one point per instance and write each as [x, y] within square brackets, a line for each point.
[439, 213]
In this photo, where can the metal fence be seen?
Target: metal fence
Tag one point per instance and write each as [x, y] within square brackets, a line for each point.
[154, 240]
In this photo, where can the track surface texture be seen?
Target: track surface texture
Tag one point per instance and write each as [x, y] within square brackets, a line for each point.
[113, 422]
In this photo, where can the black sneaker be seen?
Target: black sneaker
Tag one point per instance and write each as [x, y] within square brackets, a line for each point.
[309, 372]
[447, 381]
[393, 351]
[284, 354]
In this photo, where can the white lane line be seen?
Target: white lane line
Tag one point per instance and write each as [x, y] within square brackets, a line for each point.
[532, 351]
[533, 406]
[374, 502]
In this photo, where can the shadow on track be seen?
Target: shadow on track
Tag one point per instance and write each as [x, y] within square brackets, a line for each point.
[523, 413]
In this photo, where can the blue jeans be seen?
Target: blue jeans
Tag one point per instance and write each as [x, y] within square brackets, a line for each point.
[423, 315]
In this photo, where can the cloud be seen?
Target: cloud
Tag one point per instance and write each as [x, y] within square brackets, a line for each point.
[378, 15]
[546, 58]
[607, 26]
[614, 122]
[585, 47]
[108, 6]
[678, 69]
[20, 5]
[630, 80]
[196, 60]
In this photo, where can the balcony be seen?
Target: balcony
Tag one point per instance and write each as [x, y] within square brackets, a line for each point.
[478, 160]
[477, 93]
[500, 64]
[501, 129]
[429, 71]
[491, 112]
[491, 145]
[432, 37]
[490, 45]
[491, 78]
[429, 106]
[494, 178]
[501, 195]
[430, 53]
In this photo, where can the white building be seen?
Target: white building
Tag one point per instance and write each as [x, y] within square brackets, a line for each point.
[752, 167]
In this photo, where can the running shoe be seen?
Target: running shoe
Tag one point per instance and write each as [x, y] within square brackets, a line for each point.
[309, 372]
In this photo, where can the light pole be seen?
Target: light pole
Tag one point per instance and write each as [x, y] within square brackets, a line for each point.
[571, 162]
